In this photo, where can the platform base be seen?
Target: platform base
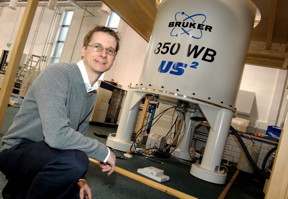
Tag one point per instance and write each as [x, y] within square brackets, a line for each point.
[207, 175]
[184, 155]
[117, 144]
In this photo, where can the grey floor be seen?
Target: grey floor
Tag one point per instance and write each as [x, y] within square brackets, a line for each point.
[117, 186]
[11, 111]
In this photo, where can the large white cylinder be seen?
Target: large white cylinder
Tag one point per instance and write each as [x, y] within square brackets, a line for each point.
[198, 49]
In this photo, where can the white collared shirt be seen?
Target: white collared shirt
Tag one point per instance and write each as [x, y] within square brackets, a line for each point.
[84, 74]
[89, 88]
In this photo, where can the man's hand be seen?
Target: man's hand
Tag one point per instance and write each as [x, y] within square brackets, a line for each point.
[85, 191]
[109, 166]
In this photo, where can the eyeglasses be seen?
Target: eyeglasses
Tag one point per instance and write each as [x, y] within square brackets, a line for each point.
[100, 48]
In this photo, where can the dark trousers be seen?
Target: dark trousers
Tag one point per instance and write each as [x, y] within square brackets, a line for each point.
[34, 170]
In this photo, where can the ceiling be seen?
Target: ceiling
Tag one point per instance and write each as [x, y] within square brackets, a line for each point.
[269, 42]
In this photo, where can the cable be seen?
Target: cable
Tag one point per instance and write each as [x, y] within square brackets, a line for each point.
[269, 153]
[176, 136]
[234, 132]
[140, 131]
[180, 133]
[164, 152]
[173, 135]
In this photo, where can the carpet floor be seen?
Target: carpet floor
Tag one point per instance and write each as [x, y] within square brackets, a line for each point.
[117, 186]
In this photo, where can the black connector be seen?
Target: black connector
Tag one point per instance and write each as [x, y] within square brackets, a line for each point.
[98, 134]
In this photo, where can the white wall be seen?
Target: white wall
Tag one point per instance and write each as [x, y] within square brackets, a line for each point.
[129, 62]
[269, 87]
[44, 29]
[10, 20]
[81, 23]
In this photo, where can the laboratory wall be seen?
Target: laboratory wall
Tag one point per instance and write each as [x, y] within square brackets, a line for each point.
[45, 27]
[128, 65]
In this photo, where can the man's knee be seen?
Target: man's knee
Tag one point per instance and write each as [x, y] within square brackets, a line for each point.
[74, 162]
[65, 170]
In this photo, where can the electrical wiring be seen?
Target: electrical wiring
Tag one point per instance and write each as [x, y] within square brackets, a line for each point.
[173, 137]
[168, 134]
[191, 140]
[181, 134]
[155, 120]
[270, 154]
[170, 137]
[177, 135]
[224, 168]
[263, 173]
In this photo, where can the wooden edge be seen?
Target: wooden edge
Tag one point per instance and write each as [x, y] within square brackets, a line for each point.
[150, 183]
[226, 189]
[278, 181]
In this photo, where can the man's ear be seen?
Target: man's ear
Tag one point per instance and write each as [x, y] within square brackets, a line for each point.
[83, 50]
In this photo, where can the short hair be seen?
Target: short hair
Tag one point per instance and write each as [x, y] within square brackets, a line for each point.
[111, 32]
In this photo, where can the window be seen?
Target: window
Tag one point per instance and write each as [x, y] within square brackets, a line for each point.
[62, 34]
[113, 21]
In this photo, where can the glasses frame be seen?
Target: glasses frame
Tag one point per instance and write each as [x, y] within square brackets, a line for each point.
[100, 48]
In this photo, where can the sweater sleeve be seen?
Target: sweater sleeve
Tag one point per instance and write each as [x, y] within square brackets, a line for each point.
[50, 92]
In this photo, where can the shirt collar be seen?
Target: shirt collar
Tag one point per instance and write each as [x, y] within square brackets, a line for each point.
[84, 74]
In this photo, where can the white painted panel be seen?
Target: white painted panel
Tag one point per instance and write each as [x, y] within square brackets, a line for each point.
[244, 102]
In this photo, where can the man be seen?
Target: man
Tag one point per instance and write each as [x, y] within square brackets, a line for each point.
[45, 151]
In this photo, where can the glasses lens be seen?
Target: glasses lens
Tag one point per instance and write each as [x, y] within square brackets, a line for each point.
[99, 48]
[110, 51]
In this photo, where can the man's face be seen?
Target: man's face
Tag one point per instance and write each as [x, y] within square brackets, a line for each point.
[97, 62]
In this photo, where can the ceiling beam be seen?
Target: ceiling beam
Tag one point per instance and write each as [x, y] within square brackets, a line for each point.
[271, 24]
[140, 15]
[285, 64]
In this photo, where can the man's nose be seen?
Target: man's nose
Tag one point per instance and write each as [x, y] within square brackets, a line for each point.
[103, 52]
